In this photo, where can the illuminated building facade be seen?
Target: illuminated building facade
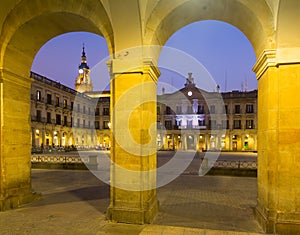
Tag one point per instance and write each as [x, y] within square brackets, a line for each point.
[192, 118]
[187, 119]
[62, 117]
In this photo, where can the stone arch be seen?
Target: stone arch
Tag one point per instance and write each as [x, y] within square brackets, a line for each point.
[255, 20]
[32, 23]
[106, 141]
[64, 139]
[48, 137]
[26, 26]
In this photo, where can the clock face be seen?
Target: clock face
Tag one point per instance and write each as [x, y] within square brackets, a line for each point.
[80, 70]
[190, 93]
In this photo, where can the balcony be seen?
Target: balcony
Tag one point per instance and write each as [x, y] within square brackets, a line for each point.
[49, 103]
[193, 127]
[34, 98]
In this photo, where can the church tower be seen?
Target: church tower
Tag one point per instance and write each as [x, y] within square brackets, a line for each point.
[83, 81]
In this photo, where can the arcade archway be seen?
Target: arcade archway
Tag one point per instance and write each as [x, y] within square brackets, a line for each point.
[269, 26]
[27, 26]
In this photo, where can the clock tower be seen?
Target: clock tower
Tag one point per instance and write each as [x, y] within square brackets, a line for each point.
[83, 81]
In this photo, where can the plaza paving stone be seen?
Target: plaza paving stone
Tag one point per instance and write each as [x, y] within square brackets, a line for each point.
[75, 202]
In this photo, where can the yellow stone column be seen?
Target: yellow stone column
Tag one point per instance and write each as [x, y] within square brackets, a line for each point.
[133, 151]
[15, 141]
[278, 208]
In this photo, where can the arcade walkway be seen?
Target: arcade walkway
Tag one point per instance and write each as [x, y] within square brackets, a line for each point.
[74, 202]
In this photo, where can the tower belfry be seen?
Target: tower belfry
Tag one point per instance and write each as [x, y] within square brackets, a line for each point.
[83, 81]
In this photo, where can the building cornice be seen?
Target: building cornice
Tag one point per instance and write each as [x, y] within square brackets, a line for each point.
[9, 76]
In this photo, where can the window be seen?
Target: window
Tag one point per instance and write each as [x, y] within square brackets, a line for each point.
[189, 109]
[201, 122]
[105, 125]
[158, 110]
[48, 117]
[89, 124]
[237, 124]
[83, 124]
[237, 109]
[225, 124]
[178, 109]
[49, 99]
[200, 109]
[158, 126]
[212, 124]
[89, 110]
[57, 101]
[72, 105]
[58, 119]
[106, 111]
[65, 103]
[38, 115]
[168, 124]
[212, 109]
[168, 110]
[249, 108]
[65, 120]
[97, 125]
[38, 95]
[97, 112]
[225, 111]
[249, 124]
[83, 109]
[78, 122]
[78, 107]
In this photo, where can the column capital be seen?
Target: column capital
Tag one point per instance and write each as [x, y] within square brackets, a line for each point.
[274, 58]
[265, 60]
[134, 65]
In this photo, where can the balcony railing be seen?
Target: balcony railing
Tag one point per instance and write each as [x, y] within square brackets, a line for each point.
[195, 127]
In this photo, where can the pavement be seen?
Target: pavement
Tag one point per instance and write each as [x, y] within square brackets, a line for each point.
[75, 202]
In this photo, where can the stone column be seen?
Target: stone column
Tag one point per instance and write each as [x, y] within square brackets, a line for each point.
[230, 141]
[15, 141]
[33, 137]
[255, 141]
[133, 151]
[184, 142]
[197, 141]
[43, 136]
[278, 145]
[243, 141]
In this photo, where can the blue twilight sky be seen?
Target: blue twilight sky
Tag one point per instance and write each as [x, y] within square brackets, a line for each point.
[211, 50]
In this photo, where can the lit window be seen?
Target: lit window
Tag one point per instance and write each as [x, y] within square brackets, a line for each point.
[38, 95]
[249, 124]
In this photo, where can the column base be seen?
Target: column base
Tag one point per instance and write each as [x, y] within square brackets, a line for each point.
[276, 226]
[14, 201]
[133, 216]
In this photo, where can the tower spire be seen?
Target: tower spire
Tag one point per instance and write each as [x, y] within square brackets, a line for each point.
[83, 82]
[83, 52]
